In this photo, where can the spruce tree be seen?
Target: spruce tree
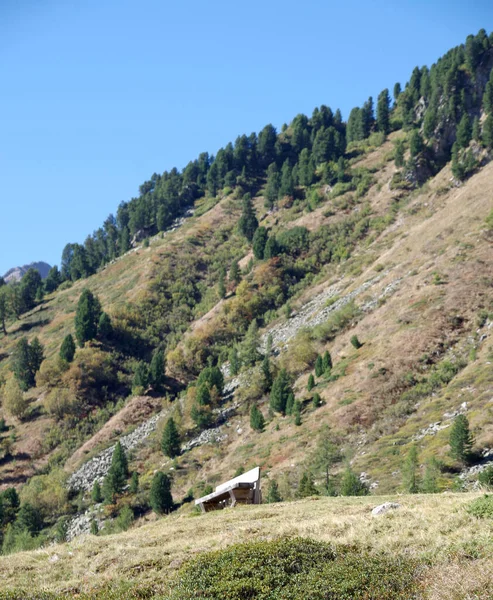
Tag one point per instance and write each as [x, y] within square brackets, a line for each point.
[415, 143]
[105, 328]
[160, 497]
[280, 391]
[110, 488]
[319, 368]
[258, 243]
[234, 361]
[273, 185]
[134, 483]
[290, 404]
[316, 400]
[248, 223]
[464, 131]
[203, 396]
[460, 439]
[311, 382]
[351, 485]
[119, 467]
[397, 91]
[327, 362]
[487, 133]
[306, 486]
[273, 494]
[87, 317]
[96, 495]
[399, 153]
[271, 248]
[170, 441]
[266, 372]
[156, 370]
[287, 186]
[383, 112]
[141, 377]
[67, 349]
[297, 412]
[234, 272]
[257, 421]
[410, 471]
[476, 130]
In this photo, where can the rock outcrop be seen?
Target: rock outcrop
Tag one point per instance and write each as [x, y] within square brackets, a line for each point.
[17, 273]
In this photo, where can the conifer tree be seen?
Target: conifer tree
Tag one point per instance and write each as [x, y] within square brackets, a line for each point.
[141, 377]
[221, 285]
[287, 187]
[26, 360]
[351, 485]
[297, 412]
[87, 317]
[460, 439]
[271, 248]
[67, 349]
[134, 483]
[399, 153]
[488, 96]
[464, 131]
[319, 368]
[430, 477]
[156, 370]
[311, 382]
[160, 497]
[476, 130]
[273, 185]
[410, 471]
[266, 372]
[119, 467]
[327, 362]
[487, 133]
[383, 112]
[397, 91]
[325, 455]
[415, 143]
[234, 272]
[258, 243]
[250, 347]
[273, 494]
[105, 328]
[316, 400]
[257, 421]
[280, 391]
[96, 495]
[94, 529]
[170, 441]
[290, 404]
[234, 361]
[306, 486]
[248, 221]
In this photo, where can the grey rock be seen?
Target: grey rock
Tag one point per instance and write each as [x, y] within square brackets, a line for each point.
[381, 509]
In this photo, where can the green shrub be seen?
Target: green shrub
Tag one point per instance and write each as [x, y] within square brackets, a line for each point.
[481, 507]
[294, 569]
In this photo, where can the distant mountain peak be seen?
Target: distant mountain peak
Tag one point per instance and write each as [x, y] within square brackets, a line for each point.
[17, 273]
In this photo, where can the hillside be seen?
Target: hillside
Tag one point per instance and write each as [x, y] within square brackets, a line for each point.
[436, 530]
[218, 291]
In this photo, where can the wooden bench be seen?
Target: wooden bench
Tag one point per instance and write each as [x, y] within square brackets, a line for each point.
[244, 489]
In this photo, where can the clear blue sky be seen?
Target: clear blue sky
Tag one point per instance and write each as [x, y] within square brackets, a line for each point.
[99, 94]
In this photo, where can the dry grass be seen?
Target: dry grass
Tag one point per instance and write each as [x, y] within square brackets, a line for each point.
[433, 527]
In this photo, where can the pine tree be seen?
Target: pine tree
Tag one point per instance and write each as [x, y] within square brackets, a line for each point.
[160, 497]
[96, 495]
[415, 143]
[316, 400]
[170, 441]
[273, 185]
[273, 494]
[399, 153]
[266, 372]
[487, 133]
[67, 349]
[53, 280]
[351, 485]
[234, 361]
[355, 342]
[476, 130]
[457, 167]
[119, 467]
[290, 404]
[397, 91]
[94, 529]
[280, 391]
[87, 317]
[319, 368]
[203, 396]
[271, 248]
[156, 370]
[430, 484]
[26, 360]
[221, 284]
[297, 412]
[249, 348]
[410, 471]
[327, 362]
[248, 221]
[257, 421]
[383, 112]
[287, 186]
[488, 96]
[464, 131]
[141, 377]
[134, 483]
[105, 328]
[311, 382]
[306, 486]
[234, 272]
[325, 454]
[460, 440]
[259, 241]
